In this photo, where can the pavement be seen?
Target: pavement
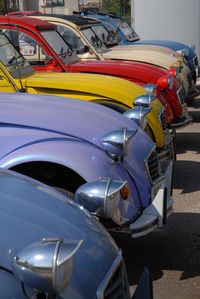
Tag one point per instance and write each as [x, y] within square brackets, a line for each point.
[172, 253]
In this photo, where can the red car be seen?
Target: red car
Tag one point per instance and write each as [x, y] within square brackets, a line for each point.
[38, 42]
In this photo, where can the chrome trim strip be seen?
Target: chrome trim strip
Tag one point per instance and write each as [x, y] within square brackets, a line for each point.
[178, 93]
[108, 276]
[182, 123]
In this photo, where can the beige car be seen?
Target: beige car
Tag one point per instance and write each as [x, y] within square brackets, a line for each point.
[87, 37]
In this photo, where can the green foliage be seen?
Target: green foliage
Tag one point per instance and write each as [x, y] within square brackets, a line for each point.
[1, 5]
[11, 5]
[117, 6]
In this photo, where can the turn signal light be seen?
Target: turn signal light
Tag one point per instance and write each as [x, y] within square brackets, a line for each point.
[125, 192]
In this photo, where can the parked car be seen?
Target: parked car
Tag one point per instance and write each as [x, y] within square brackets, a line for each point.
[127, 36]
[68, 143]
[52, 248]
[43, 52]
[88, 35]
[121, 95]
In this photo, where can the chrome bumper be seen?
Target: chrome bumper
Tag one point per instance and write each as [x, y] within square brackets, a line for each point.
[166, 154]
[192, 94]
[182, 123]
[156, 214]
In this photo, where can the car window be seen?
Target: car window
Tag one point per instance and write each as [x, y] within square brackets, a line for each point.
[72, 38]
[15, 63]
[108, 37]
[28, 47]
[130, 34]
[94, 40]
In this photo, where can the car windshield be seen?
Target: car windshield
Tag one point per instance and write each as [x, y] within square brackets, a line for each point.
[15, 63]
[130, 34]
[72, 38]
[108, 37]
[94, 40]
[58, 44]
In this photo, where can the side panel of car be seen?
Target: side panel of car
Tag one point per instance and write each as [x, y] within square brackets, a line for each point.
[62, 157]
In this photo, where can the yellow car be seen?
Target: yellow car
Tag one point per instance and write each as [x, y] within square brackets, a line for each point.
[17, 75]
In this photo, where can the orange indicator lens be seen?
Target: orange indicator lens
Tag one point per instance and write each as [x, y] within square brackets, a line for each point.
[125, 191]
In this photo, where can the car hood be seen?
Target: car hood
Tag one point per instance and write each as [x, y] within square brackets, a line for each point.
[79, 119]
[155, 55]
[140, 72]
[31, 211]
[90, 86]
[176, 46]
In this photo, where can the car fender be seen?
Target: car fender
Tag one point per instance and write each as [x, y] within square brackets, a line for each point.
[88, 161]
[72, 154]
[10, 286]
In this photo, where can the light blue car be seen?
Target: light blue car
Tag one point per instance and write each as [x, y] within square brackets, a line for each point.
[127, 36]
[53, 248]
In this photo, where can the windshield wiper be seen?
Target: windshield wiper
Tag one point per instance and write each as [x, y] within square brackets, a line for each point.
[12, 59]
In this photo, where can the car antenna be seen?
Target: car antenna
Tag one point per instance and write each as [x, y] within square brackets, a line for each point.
[15, 50]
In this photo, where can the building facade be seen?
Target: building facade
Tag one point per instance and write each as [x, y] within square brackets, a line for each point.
[50, 6]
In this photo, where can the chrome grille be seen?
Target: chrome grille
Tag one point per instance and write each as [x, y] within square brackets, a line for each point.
[167, 137]
[118, 287]
[180, 95]
[184, 110]
[115, 283]
[153, 166]
[163, 120]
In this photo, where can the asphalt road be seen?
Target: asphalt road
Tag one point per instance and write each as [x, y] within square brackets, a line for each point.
[173, 253]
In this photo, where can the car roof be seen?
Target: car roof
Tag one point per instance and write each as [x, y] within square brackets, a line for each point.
[77, 20]
[28, 22]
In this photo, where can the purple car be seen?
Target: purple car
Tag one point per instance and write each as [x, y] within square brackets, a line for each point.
[66, 144]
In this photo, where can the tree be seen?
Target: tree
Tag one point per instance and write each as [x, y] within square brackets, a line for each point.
[8, 5]
[119, 7]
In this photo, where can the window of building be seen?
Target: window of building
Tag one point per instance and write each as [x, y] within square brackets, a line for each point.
[51, 3]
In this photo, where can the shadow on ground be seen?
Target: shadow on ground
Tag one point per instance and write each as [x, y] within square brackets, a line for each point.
[172, 248]
[187, 176]
[187, 141]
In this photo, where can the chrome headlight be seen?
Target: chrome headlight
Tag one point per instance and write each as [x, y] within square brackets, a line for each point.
[117, 144]
[150, 87]
[47, 265]
[102, 198]
[144, 100]
[138, 115]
